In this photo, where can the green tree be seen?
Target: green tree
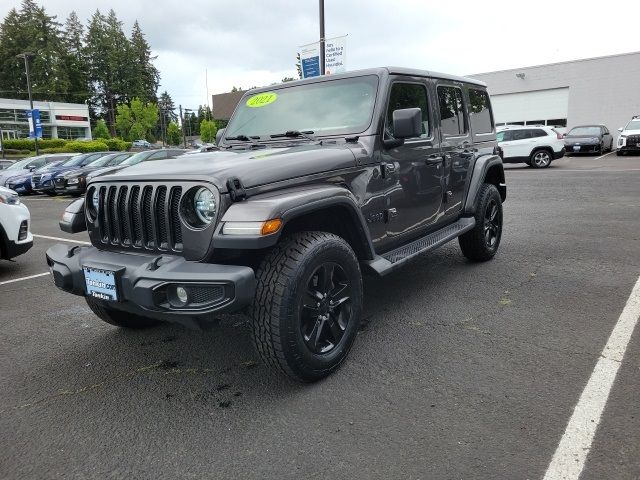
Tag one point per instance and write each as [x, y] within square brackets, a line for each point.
[31, 29]
[174, 135]
[75, 60]
[287, 79]
[299, 65]
[208, 130]
[144, 75]
[136, 121]
[101, 130]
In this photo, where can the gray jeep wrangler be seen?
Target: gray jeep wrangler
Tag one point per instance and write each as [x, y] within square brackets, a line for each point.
[314, 182]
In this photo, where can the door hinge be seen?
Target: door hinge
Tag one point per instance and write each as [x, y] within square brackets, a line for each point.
[236, 189]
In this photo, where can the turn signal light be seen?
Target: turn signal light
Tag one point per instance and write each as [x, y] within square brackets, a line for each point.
[271, 226]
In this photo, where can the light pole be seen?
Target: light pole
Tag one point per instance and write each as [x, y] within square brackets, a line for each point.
[321, 8]
[27, 56]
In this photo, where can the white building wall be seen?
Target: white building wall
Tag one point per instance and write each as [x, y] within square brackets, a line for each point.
[604, 90]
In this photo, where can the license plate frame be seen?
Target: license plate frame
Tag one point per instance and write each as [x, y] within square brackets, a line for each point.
[101, 283]
[576, 148]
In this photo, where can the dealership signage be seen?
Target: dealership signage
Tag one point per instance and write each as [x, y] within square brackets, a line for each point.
[334, 57]
[35, 126]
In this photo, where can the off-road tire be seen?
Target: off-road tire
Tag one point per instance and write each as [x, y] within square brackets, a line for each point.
[282, 280]
[474, 243]
[118, 317]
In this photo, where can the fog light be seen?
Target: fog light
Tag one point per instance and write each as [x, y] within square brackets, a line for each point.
[182, 295]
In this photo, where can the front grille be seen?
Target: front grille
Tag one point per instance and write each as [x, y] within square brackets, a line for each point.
[633, 140]
[140, 216]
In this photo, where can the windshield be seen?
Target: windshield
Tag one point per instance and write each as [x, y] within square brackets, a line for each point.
[102, 161]
[74, 161]
[49, 166]
[137, 158]
[335, 107]
[585, 131]
[633, 125]
[19, 165]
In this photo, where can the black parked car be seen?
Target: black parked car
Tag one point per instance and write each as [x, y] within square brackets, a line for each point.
[379, 166]
[588, 139]
[75, 181]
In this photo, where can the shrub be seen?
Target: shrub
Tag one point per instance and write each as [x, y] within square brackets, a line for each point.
[28, 144]
[117, 144]
[101, 130]
[55, 150]
[86, 147]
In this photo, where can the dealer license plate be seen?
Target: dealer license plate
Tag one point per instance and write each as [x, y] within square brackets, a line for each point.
[100, 283]
[576, 148]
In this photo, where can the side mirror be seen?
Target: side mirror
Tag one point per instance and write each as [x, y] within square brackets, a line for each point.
[73, 220]
[407, 123]
[219, 135]
[31, 168]
[621, 129]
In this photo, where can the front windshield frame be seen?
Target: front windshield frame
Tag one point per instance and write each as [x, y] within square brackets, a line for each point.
[105, 159]
[590, 131]
[232, 131]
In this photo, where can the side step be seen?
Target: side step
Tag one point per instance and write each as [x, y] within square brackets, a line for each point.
[390, 261]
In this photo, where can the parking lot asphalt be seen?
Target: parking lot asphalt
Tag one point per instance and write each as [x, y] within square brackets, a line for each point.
[459, 371]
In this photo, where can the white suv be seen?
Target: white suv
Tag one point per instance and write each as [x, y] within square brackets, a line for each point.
[629, 139]
[15, 237]
[537, 146]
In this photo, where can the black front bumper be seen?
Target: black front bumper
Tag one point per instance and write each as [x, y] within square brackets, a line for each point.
[13, 249]
[143, 281]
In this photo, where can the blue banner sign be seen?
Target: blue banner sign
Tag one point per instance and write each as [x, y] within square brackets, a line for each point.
[35, 125]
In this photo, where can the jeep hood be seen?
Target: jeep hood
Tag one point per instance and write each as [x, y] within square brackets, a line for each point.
[253, 167]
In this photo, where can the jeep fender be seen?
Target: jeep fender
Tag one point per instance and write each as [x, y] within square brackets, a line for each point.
[488, 168]
[288, 205]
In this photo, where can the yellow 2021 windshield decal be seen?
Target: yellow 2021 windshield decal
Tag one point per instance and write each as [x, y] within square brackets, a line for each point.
[262, 99]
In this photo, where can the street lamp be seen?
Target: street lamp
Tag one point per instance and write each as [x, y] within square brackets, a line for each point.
[26, 56]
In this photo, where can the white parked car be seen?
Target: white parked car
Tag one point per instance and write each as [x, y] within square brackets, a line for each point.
[629, 139]
[15, 237]
[537, 146]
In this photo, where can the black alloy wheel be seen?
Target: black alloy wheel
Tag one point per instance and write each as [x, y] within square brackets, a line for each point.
[491, 226]
[326, 308]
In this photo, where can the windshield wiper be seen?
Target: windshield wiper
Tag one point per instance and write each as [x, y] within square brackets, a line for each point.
[295, 133]
[243, 138]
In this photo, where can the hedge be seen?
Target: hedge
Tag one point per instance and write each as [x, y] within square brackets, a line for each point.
[117, 145]
[26, 144]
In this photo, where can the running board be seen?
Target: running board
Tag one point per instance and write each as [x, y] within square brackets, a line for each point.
[389, 261]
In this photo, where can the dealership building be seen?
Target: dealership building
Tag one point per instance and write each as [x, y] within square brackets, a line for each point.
[603, 90]
[59, 120]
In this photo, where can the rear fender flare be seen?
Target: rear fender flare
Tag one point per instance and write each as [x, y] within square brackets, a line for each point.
[487, 168]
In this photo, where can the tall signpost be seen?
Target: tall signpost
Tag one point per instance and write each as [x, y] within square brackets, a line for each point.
[30, 115]
[322, 59]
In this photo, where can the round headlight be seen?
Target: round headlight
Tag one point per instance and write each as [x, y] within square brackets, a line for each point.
[205, 205]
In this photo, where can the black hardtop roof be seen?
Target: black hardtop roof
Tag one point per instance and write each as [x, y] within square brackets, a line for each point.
[379, 71]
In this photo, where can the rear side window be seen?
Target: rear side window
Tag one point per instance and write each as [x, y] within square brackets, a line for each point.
[157, 156]
[453, 121]
[538, 132]
[521, 134]
[408, 95]
[480, 112]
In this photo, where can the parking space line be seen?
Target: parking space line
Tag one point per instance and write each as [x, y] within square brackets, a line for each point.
[60, 239]
[605, 155]
[24, 278]
[570, 456]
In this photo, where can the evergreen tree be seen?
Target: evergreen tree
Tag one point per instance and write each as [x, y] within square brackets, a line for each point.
[75, 60]
[144, 75]
[30, 29]
[167, 111]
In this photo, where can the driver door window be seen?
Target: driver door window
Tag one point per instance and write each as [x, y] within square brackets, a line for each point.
[408, 95]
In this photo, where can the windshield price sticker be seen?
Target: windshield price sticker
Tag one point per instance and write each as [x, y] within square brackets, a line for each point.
[262, 99]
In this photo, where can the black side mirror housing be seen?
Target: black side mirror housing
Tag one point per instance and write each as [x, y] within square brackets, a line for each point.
[31, 168]
[219, 135]
[407, 123]
[73, 219]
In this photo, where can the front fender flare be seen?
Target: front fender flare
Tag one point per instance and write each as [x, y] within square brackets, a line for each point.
[287, 205]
